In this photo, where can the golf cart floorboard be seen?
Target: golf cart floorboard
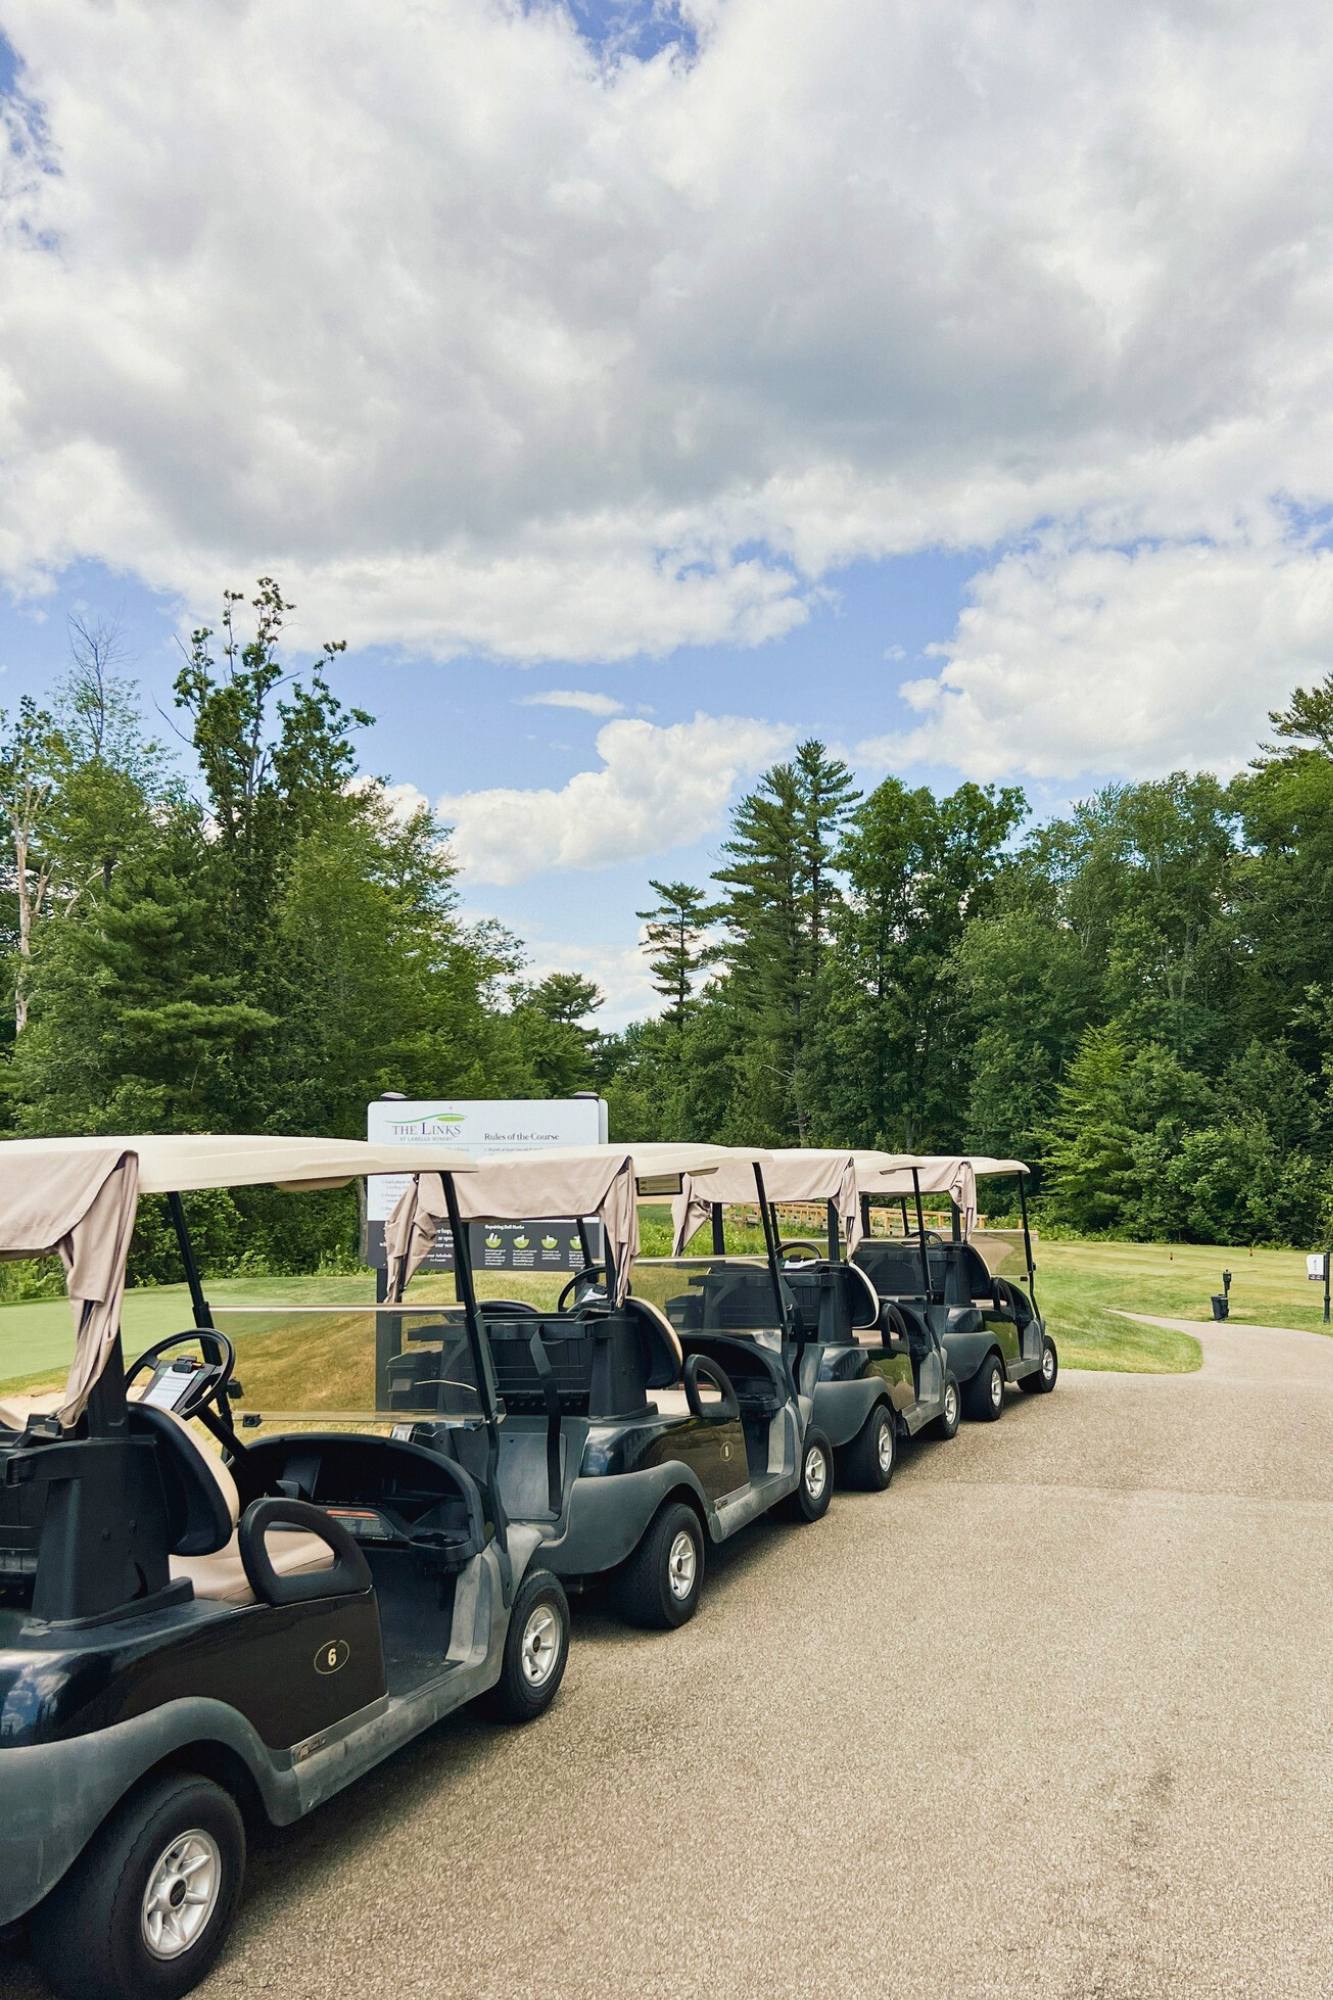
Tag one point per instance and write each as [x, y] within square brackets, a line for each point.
[416, 1612]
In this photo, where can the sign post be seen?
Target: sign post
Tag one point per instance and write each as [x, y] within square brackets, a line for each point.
[483, 1126]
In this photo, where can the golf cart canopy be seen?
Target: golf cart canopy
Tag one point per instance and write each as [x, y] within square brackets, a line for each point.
[950, 1174]
[77, 1199]
[603, 1181]
[791, 1174]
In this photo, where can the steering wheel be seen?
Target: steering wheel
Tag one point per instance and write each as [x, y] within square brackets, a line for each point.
[586, 1276]
[815, 1253]
[506, 1309]
[209, 1383]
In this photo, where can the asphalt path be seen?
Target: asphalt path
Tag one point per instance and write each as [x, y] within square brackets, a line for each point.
[1052, 1717]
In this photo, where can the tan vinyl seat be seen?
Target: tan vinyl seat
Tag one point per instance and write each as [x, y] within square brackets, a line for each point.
[221, 1576]
[16, 1410]
[670, 1402]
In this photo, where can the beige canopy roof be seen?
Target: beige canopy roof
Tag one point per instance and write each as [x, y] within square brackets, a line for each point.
[77, 1198]
[180, 1163]
[791, 1174]
[604, 1181]
[952, 1174]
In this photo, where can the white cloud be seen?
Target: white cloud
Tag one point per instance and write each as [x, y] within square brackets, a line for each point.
[656, 788]
[1077, 659]
[580, 698]
[477, 341]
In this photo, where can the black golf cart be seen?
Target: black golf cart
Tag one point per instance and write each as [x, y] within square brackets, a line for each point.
[197, 1626]
[882, 1375]
[990, 1326]
[640, 1428]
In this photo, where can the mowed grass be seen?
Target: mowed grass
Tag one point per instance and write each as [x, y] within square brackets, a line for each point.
[1083, 1286]
[324, 1361]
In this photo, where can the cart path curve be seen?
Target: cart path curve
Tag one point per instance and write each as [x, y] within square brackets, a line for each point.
[1050, 1720]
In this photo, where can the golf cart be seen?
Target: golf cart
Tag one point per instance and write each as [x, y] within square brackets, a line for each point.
[991, 1327]
[646, 1427]
[882, 1375]
[196, 1627]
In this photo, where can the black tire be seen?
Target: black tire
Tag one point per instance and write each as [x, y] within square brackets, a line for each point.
[946, 1424]
[867, 1463]
[814, 1488]
[536, 1650]
[660, 1584]
[1042, 1383]
[983, 1402]
[90, 1936]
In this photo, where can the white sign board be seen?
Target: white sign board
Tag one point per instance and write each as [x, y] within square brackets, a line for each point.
[1314, 1267]
[480, 1126]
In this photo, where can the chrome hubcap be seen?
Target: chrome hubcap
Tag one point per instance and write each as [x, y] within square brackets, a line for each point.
[541, 1645]
[885, 1445]
[182, 1894]
[1047, 1363]
[997, 1388]
[950, 1406]
[682, 1565]
[816, 1473]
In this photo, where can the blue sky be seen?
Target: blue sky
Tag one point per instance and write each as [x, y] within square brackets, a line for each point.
[951, 384]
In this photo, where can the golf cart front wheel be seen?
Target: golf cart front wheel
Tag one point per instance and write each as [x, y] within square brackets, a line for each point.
[1042, 1383]
[814, 1489]
[659, 1585]
[951, 1409]
[145, 1910]
[984, 1402]
[868, 1461]
[536, 1649]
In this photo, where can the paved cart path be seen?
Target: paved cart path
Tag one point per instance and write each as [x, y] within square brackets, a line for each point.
[1052, 1717]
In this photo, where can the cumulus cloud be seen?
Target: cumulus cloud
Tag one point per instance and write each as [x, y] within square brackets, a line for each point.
[580, 698]
[1076, 659]
[656, 788]
[480, 338]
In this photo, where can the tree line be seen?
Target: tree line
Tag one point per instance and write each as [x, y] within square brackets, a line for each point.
[261, 945]
[1138, 997]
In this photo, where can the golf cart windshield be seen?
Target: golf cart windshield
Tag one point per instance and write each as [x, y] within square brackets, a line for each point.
[720, 1294]
[364, 1365]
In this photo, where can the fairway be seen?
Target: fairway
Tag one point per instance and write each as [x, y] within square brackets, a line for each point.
[1084, 1288]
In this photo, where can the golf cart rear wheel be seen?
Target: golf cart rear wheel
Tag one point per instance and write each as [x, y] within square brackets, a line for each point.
[659, 1586]
[951, 1409]
[536, 1649]
[984, 1402]
[814, 1489]
[145, 1910]
[868, 1461]
[1042, 1383]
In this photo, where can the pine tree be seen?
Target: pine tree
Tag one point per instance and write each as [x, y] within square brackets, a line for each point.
[675, 931]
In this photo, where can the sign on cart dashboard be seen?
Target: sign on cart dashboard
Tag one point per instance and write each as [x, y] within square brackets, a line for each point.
[482, 1126]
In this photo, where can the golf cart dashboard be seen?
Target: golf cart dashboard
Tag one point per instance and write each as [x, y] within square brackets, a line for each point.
[387, 1493]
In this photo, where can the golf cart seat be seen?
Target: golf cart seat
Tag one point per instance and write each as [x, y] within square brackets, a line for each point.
[219, 1574]
[892, 1266]
[835, 1301]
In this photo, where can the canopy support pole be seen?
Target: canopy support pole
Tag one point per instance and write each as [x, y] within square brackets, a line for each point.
[1027, 1239]
[719, 1222]
[481, 1361]
[921, 1231]
[865, 1215]
[770, 1240]
[834, 1234]
[203, 1313]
